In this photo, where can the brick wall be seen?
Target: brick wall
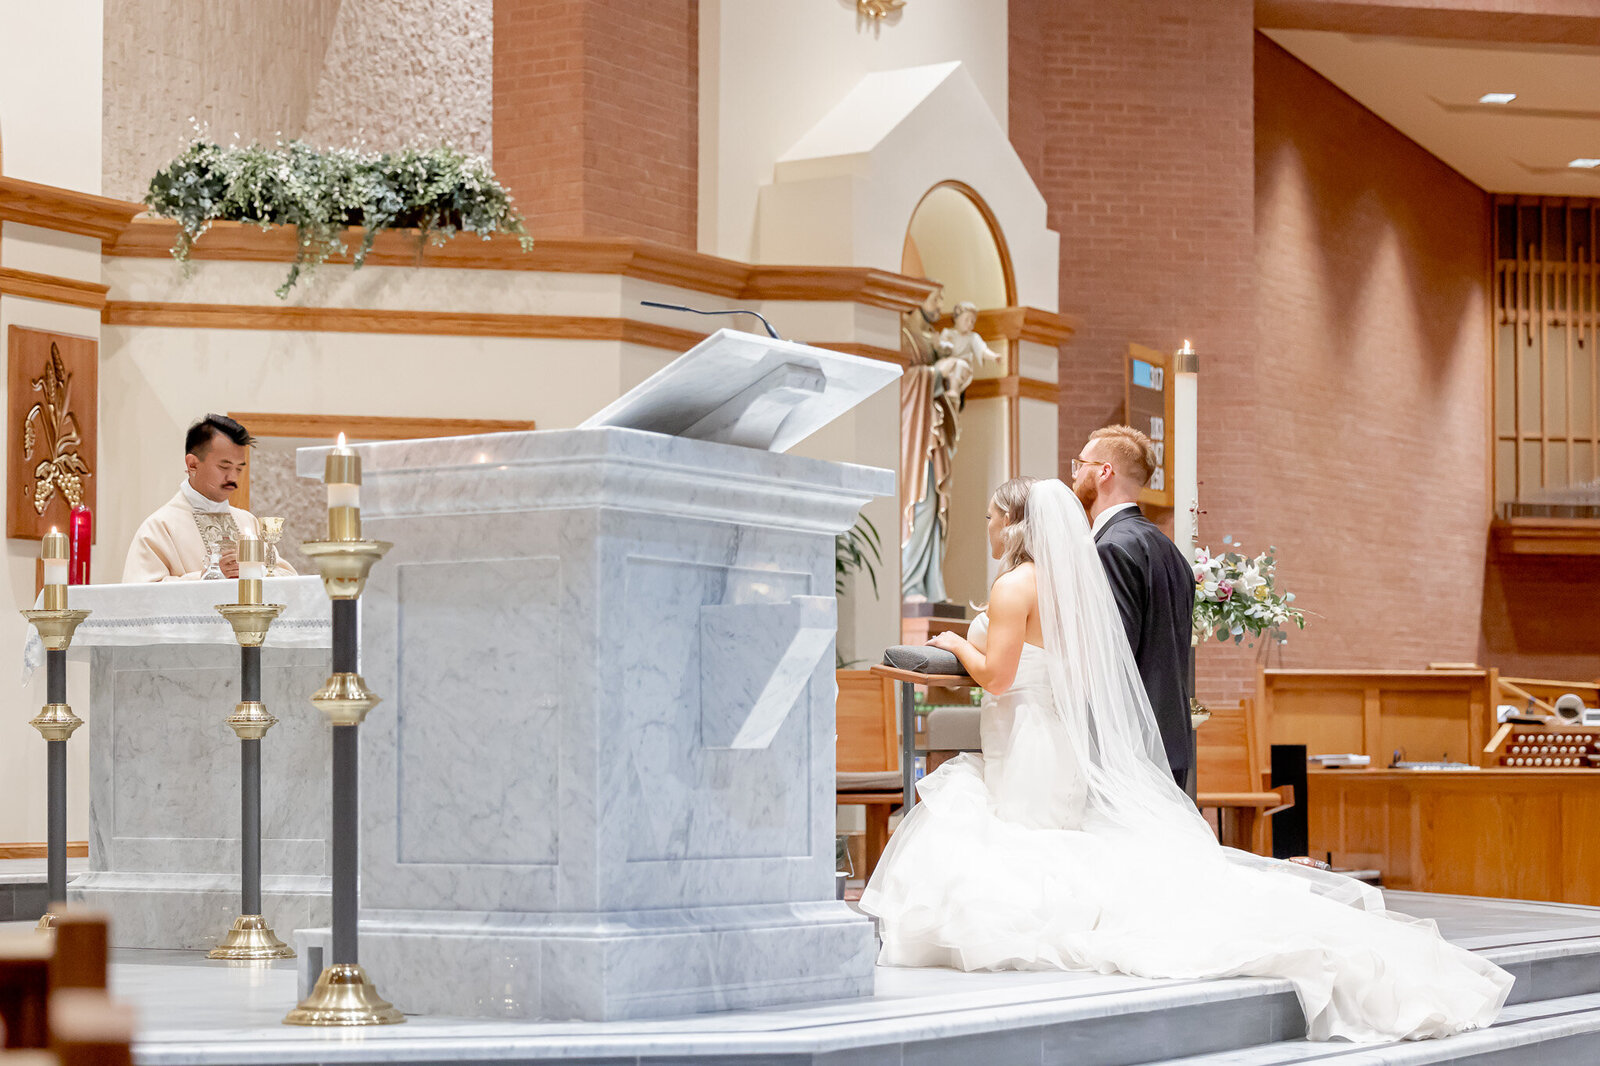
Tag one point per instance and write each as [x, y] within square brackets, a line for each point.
[1373, 356]
[596, 115]
[1135, 121]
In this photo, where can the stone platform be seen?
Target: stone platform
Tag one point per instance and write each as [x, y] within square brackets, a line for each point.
[195, 1013]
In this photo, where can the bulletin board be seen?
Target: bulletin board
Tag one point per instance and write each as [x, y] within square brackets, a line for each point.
[1147, 384]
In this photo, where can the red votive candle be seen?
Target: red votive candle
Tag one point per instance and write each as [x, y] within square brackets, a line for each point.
[80, 533]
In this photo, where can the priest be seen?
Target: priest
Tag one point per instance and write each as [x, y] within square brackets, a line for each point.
[176, 542]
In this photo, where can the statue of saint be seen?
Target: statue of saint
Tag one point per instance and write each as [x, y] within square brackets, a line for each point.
[942, 365]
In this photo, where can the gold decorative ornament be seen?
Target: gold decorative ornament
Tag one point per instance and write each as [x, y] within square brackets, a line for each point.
[251, 938]
[62, 467]
[1198, 714]
[345, 699]
[55, 626]
[344, 564]
[250, 720]
[250, 621]
[344, 996]
[878, 10]
[55, 721]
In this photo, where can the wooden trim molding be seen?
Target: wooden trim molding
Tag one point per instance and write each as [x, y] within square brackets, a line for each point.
[371, 427]
[1027, 324]
[153, 238]
[76, 849]
[365, 320]
[861, 285]
[1014, 387]
[1545, 536]
[65, 210]
[428, 323]
[52, 288]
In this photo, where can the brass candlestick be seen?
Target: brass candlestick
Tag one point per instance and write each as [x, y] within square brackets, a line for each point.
[344, 995]
[56, 623]
[250, 937]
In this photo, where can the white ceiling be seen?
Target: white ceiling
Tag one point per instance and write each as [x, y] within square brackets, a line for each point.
[1428, 90]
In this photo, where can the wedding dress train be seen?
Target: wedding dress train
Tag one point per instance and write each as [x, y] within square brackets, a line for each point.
[1065, 845]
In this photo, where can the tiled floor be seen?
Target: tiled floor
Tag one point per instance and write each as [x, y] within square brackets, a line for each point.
[196, 1012]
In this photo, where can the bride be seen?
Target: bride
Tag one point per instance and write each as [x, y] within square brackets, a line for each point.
[1067, 845]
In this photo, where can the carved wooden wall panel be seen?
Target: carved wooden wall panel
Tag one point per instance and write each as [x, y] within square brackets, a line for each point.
[52, 460]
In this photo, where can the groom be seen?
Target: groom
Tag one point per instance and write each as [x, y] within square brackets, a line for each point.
[1152, 583]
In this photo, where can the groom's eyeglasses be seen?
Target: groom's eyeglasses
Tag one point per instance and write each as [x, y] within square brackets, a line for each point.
[1080, 462]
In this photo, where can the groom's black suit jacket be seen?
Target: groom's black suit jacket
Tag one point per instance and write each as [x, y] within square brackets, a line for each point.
[1154, 589]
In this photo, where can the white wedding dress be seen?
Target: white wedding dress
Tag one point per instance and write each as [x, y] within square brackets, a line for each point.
[1066, 845]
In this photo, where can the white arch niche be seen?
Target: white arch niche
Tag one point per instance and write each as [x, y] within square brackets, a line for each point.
[848, 193]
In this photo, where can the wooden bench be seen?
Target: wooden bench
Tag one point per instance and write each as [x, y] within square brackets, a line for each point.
[867, 750]
[53, 996]
[1232, 778]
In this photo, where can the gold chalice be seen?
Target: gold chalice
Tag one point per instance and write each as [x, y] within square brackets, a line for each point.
[271, 532]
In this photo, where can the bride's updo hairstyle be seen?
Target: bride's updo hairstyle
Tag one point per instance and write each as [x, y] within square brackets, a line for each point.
[1012, 499]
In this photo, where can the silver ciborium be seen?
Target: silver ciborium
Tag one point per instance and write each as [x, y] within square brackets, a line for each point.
[271, 531]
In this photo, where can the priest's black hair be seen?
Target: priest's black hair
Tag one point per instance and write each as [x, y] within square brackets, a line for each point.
[203, 432]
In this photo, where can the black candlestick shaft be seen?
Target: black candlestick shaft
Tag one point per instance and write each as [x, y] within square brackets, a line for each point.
[250, 674]
[56, 873]
[55, 665]
[346, 636]
[346, 812]
[250, 791]
[346, 794]
[56, 785]
[250, 826]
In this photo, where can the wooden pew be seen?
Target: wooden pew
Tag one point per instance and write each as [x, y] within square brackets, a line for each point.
[53, 995]
[867, 750]
[1232, 778]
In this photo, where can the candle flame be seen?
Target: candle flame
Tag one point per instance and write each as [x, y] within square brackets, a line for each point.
[52, 531]
[341, 437]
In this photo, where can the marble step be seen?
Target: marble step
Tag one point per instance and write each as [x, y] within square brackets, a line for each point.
[23, 895]
[1546, 1032]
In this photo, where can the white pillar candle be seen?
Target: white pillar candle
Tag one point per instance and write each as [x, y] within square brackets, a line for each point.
[342, 473]
[1184, 442]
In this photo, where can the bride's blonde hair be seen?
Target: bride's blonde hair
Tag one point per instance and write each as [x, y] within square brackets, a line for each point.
[1012, 499]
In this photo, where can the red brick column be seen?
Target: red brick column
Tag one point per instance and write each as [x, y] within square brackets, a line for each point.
[1135, 120]
[596, 115]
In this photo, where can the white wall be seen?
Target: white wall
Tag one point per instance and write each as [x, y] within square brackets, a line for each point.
[50, 124]
[22, 750]
[769, 69]
[50, 92]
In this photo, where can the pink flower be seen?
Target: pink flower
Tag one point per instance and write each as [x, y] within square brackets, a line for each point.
[1224, 590]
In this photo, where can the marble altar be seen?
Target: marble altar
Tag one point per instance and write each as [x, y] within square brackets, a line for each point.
[600, 785]
[164, 766]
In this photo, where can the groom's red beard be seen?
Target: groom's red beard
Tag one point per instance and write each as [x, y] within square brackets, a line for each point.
[1086, 491]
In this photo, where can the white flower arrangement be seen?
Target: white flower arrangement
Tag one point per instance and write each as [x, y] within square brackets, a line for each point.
[1235, 595]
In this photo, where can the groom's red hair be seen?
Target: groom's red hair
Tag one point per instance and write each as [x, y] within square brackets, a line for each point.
[1131, 452]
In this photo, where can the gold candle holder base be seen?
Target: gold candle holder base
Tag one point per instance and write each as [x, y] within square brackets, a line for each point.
[344, 564]
[47, 923]
[345, 699]
[344, 996]
[56, 627]
[250, 720]
[251, 938]
[1198, 714]
[55, 721]
[250, 621]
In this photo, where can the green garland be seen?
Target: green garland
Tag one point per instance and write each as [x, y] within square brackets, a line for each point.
[436, 191]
